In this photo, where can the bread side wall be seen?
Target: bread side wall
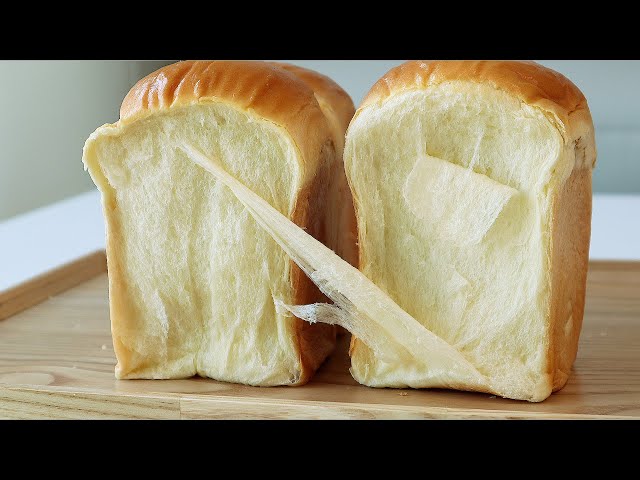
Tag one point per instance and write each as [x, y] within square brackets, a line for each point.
[571, 233]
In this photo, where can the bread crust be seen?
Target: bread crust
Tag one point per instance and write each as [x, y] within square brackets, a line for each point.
[258, 87]
[334, 101]
[532, 83]
[566, 107]
[570, 238]
[287, 96]
[339, 109]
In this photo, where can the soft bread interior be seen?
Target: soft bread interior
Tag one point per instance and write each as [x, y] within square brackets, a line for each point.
[452, 189]
[427, 193]
[360, 306]
[193, 276]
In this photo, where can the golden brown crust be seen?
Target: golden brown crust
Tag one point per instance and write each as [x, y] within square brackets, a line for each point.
[532, 83]
[334, 101]
[258, 87]
[309, 106]
[249, 85]
[338, 107]
[571, 231]
[318, 340]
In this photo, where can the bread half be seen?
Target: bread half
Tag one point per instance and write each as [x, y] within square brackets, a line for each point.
[472, 186]
[192, 277]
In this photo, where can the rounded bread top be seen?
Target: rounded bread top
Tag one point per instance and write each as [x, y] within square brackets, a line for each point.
[251, 86]
[330, 93]
[530, 82]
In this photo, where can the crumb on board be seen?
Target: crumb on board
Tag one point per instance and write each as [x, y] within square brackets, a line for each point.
[403, 394]
[104, 347]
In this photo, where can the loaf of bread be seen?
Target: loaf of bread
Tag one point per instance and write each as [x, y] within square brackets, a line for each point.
[192, 277]
[472, 186]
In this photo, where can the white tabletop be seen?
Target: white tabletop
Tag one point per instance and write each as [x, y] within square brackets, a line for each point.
[51, 236]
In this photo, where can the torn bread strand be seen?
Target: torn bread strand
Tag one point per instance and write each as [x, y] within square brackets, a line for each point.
[334, 315]
[362, 301]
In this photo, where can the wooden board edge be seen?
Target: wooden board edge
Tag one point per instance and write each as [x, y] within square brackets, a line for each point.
[23, 402]
[225, 407]
[51, 283]
[27, 402]
[614, 265]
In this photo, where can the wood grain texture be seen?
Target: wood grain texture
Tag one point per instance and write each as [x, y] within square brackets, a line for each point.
[34, 403]
[51, 283]
[56, 361]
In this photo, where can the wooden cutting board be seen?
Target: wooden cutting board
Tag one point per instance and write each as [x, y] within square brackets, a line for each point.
[57, 361]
